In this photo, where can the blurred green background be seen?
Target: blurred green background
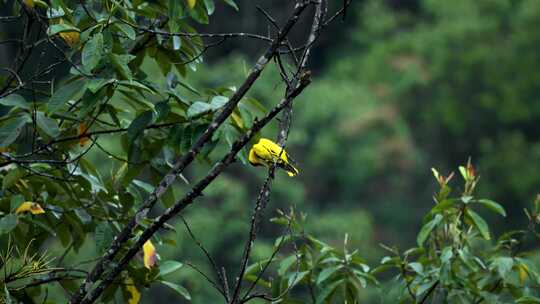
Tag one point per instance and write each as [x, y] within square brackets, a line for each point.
[399, 87]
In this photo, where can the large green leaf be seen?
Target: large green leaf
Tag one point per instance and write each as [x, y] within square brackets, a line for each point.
[178, 288]
[528, 300]
[479, 223]
[427, 228]
[47, 125]
[15, 100]
[327, 292]
[120, 63]
[7, 223]
[70, 91]
[493, 206]
[92, 52]
[137, 126]
[198, 108]
[11, 130]
[103, 236]
[168, 267]
[326, 273]
[128, 30]
[295, 278]
[218, 101]
[11, 178]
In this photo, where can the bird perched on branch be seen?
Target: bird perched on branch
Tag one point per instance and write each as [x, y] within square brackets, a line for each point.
[267, 152]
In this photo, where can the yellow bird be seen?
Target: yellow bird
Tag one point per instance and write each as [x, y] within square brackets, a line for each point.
[266, 152]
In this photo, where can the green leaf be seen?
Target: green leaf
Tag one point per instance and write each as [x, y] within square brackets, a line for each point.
[128, 30]
[179, 289]
[285, 264]
[162, 109]
[210, 7]
[199, 14]
[15, 100]
[92, 52]
[218, 102]
[528, 300]
[295, 278]
[7, 296]
[59, 28]
[11, 130]
[231, 3]
[327, 292]
[479, 223]
[169, 267]
[95, 84]
[503, 265]
[463, 172]
[120, 63]
[103, 237]
[47, 125]
[326, 273]
[417, 267]
[7, 223]
[11, 178]
[493, 206]
[175, 10]
[443, 205]
[427, 228]
[198, 108]
[137, 126]
[70, 91]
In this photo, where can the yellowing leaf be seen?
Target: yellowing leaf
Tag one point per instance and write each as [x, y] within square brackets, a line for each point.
[31, 207]
[523, 272]
[191, 3]
[150, 256]
[82, 130]
[71, 38]
[29, 3]
[132, 296]
[237, 120]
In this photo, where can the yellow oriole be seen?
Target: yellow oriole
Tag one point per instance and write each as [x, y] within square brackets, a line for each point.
[266, 152]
